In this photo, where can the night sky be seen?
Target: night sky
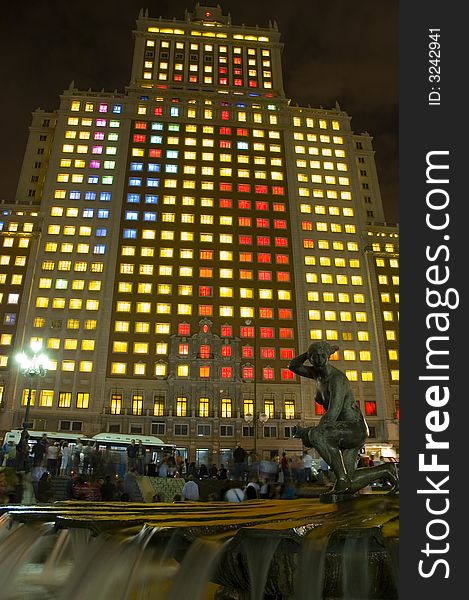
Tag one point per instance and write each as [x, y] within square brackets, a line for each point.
[334, 51]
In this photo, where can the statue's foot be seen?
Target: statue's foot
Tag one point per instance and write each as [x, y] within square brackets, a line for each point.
[341, 485]
[393, 477]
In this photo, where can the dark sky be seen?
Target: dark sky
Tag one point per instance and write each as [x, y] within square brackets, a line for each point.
[339, 50]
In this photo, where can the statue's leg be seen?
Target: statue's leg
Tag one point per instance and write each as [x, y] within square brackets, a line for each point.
[350, 460]
[319, 438]
[367, 475]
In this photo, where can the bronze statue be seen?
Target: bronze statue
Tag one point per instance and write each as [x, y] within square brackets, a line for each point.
[342, 430]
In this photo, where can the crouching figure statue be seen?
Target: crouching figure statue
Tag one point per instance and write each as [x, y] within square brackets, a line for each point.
[342, 430]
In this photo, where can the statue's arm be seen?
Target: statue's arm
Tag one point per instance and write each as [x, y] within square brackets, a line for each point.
[297, 366]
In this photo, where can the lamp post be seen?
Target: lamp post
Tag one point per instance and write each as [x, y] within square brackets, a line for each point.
[30, 366]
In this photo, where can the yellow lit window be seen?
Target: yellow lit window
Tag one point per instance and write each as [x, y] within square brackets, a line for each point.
[363, 336]
[365, 355]
[352, 375]
[182, 371]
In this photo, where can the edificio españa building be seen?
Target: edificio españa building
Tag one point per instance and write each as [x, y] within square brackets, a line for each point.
[174, 246]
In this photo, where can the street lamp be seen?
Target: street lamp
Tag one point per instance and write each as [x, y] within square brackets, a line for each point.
[30, 366]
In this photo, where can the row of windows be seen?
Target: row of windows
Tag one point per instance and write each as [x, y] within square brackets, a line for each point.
[320, 209]
[161, 308]
[100, 136]
[331, 315]
[15, 227]
[203, 291]
[209, 238]
[333, 334]
[393, 262]
[63, 284]
[327, 278]
[46, 399]
[87, 195]
[80, 178]
[72, 304]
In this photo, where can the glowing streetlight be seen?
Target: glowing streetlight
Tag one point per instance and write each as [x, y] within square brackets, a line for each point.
[31, 366]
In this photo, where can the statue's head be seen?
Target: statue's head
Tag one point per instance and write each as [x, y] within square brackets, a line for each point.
[319, 353]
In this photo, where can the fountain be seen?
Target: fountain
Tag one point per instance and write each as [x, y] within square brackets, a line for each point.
[341, 546]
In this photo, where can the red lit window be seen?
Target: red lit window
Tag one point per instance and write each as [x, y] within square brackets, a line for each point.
[283, 276]
[286, 374]
[204, 351]
[183, 349]
[205, 272]
[244, 221]
[287, 353]
[245, 240]
[280, 224]
[204, 371]
[205, 310]
[237, 60]
[242, 132]
[225, 187]
[225, 115]
[238, 82]
[319, 409]
[193, 78]
[262, 223]
[278, 190]
[281, 242]
[243, 274]
[223, 70]
[264, 257]
[398, 411]
[282, 259]
[205, 291]
[177, 77]
[140, 138]
[261, 189]
[285, 333]
[247, 331]
[206, 255]
[226, 203]
[225, 130]
[308, 243]
[267, 332]
[279, 207]
[245, 257]
[184, 329]
[225, 144]
[244, 187]
[265, 275]
[262, 206]
[248, 373]
[252, 83]
[267, 352]
[226, 351]
[268, 373]
[266, 313]
[140, 125]
[306, 226]
[248, 352]
[285, 313]
[244, 204]
[263, 240]
[370, 408]
[154, 153]
[226, 372]
[223, 81]
[158, 111]
[226, 331]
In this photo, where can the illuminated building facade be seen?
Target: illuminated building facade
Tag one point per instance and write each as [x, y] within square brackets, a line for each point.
[197, 232]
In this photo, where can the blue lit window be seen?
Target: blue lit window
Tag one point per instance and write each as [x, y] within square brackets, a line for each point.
[157, 126]
[130, 233]
[105, 196]
[117, 109]
[135, 181]
[153, 182]
[9, 319]
[88, 213]
[151, 199]
[135, 166]
[75, 195]
[102, 232]
[149, 216]
[174, 111]
[171, 168]
[156, 139]
[135, 198]
[90, 196]
[93, 179]
[103, 213]
[107, 179]
[242, 145]
[99, 249]
[153, 167]
[172, 153]
[131, 215]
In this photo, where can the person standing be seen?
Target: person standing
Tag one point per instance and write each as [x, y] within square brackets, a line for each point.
[52, 458]
[239, 456]
[307, 465]
[39, 450]
[77, 452]
[131, 455]
[284, 467]
[140, 458]
[65, 463]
